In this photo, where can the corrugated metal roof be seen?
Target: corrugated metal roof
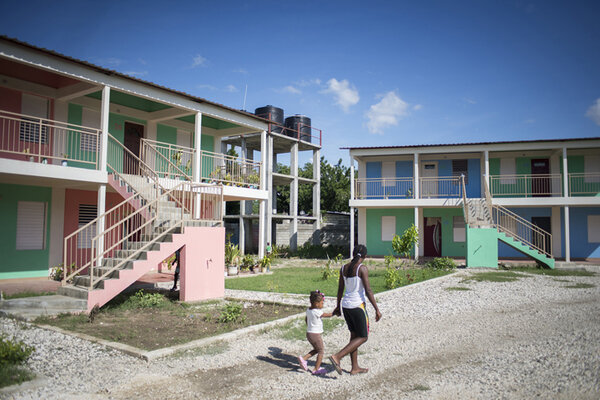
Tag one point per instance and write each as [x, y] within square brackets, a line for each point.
[119, 74]
[469, 143]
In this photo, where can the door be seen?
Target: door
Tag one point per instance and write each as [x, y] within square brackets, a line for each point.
[433, 237]
[429, 173]
[540, 185]
[544, 223]
[132, 137]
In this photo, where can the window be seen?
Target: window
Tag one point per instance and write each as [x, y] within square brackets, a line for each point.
[508, 167]
[591, 167]
[87, 213]
[388, 228]
[91, 119]
[31, 225]
[388, 173]
[458, 228]
[593, 228]
[460, 167]
[34, 131]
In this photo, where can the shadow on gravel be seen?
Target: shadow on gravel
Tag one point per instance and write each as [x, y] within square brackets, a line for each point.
[287, 361]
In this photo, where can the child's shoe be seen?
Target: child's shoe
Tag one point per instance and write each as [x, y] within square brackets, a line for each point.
[320, 371]
[303, 363]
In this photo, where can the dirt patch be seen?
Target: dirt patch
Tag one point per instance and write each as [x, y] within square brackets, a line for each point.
[152, 328]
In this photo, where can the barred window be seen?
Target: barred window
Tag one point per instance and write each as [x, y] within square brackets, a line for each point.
[87, 213]
[31, 132]
[88, 142]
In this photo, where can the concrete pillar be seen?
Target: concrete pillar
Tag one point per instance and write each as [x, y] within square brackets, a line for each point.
[486, 161]
[317, 195]
[565, 173]
[567, 236]
[262, 213]
[261, 228]
[416, 175]
[197, 167]
[104, 114]
[269, 212]
[417, 245]
[101, 209]
[294, 197]
[242, 227]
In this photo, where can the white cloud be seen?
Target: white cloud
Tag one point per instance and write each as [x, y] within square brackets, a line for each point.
[594, 112]
[345, 94]
[417, 107]
[198, 61]
[310, 82]
[387, 112]
[241, 71]
[530, 121]
[209, 87]
[136, 73]
[291, 89]
[231, 89]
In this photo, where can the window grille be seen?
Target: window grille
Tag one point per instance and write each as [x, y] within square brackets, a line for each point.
[87, 213]
[30, 131]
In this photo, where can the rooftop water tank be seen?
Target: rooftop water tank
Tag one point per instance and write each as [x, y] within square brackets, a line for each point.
[298, 124]
[272, 113]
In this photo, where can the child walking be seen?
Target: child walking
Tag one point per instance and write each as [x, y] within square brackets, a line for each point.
[314, 328]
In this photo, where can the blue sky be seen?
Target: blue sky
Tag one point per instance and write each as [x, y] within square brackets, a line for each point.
[368, 73]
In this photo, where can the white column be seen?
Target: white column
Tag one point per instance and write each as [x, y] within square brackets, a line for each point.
[269, 213]
[261, 228]
[101, 209]
[197, 169]
[294, 197]
[262, 217]
[417, 247]
[317, 192]
[242, 228]
[351, 208]
[486, 156]
[104, 114]
[416, 175]
[565, 173]
[567, 236]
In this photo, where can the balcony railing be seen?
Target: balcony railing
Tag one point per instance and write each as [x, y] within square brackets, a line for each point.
[168, 160]
[29, 138]
[584, 184]
[526, 185]
[384, 188]
[440, 186]
[229, 170]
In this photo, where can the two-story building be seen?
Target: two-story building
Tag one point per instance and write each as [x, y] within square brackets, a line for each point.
[537, 197]
[108, 174]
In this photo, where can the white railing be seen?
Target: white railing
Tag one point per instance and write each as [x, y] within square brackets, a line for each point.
[168, 160]
[517, 227]
[464, 199]
[223, 168]
[526, 185]
[384, 188]
[440, 186]
[29, 138]
[132, 230]
[584, 184]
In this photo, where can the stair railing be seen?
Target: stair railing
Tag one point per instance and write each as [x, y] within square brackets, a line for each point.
[517, 227]
[464, 198]
[170, 165]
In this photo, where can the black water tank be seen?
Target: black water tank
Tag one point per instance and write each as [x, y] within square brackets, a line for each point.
[272, 113]
[298, 122]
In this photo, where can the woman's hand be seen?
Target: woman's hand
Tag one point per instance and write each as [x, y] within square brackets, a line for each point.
[377, 315]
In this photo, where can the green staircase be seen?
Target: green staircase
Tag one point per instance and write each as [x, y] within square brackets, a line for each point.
[526, 250]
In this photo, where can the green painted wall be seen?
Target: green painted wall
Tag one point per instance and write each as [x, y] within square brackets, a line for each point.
[75, 116]
[116, 127]
[166, 134]
[482, 245]
[404, 219]
[450, 248]
[21, 263]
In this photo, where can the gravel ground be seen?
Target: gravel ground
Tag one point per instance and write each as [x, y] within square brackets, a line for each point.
[533, 337]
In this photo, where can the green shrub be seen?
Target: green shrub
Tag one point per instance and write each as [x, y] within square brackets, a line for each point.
[142, 299]
[327, 272]
[392, 278]
[308, 250]
[441, 263]
[13, 352]
[231, 313]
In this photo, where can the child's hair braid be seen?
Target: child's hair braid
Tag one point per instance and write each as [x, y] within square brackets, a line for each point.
[315, 296]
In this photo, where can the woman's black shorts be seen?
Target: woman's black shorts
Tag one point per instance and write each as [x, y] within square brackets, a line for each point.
[357, 320]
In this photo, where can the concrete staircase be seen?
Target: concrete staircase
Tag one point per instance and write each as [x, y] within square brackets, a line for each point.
[527, 250]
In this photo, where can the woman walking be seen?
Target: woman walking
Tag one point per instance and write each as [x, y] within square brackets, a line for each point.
[354, 278]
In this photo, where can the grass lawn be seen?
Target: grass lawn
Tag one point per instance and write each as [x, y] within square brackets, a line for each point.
[303, 280]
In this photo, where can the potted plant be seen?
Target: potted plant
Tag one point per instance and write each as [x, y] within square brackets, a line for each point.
[232, 256]
[64, 162]
[247, 262]
[253, 181]
[265, 264]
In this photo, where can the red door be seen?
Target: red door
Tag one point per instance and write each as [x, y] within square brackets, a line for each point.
[433, 237]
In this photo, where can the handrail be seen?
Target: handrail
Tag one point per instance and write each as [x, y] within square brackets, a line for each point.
[526, 185]
[584, 183]
[366, 188]
[148, 147]
[502, 219]
[464, 197]
[42, 140]
[219, 167]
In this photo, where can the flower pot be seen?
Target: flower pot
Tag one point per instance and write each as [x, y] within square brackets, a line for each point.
[63, 163]
[232, 270]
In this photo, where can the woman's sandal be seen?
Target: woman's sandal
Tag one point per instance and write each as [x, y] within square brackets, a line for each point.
[336, 365]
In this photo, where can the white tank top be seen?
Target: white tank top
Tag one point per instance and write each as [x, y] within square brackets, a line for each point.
[354, 294]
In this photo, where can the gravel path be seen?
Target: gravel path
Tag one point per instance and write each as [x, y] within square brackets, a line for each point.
[533, 337]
